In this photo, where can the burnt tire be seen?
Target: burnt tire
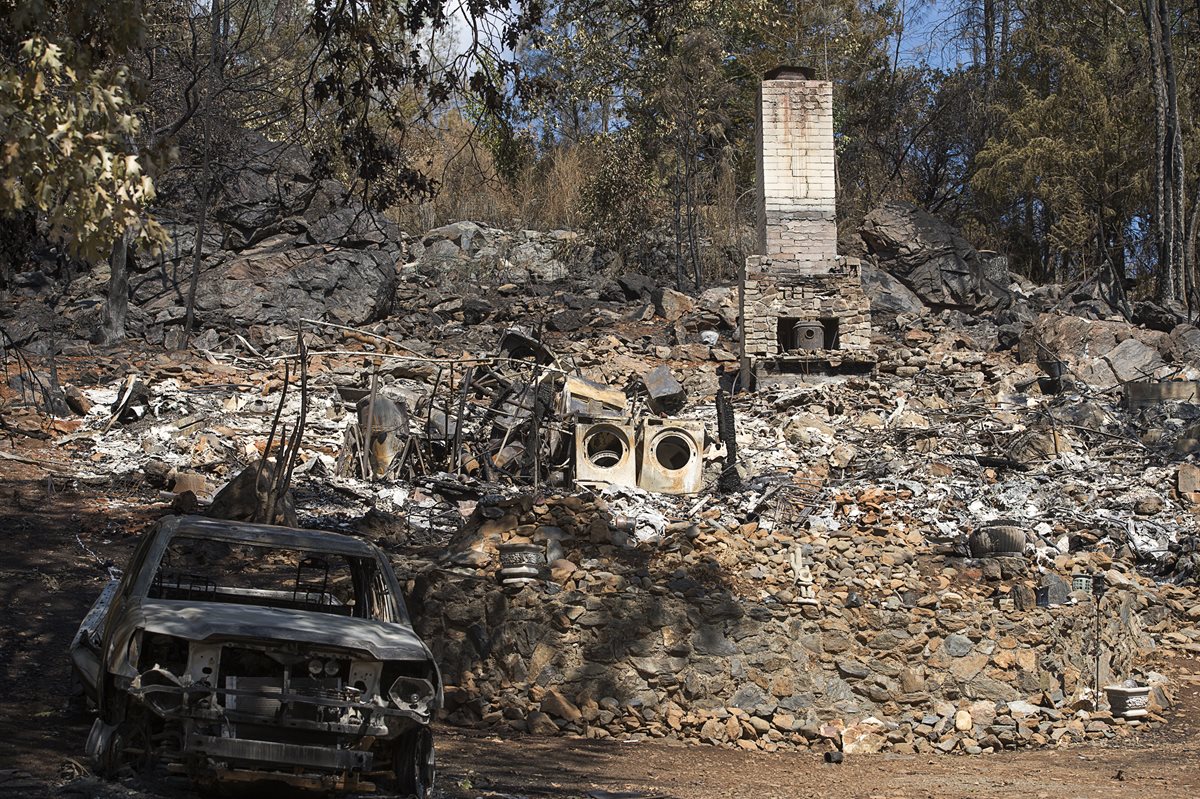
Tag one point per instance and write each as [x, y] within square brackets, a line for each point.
[77, 704]
[414, 764]
[132, 748]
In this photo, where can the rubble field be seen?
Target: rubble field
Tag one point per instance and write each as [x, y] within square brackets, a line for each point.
[943, 556]
[40, 743]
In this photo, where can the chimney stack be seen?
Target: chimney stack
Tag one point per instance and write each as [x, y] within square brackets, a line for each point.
[797, 197]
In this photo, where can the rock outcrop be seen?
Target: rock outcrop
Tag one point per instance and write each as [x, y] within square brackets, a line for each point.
[932, 259]
[286, 246]
[476, 251]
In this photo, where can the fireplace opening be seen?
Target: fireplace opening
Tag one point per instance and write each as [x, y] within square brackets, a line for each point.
[829, 327]
[807, 335]
[796, 335]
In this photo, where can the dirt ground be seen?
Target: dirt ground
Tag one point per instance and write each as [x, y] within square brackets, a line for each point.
[57, 540]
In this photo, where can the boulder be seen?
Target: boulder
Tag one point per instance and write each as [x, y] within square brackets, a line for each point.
[1158, 317]
[468, 237]
[558, 706]
[636, 287]
[265, 197]
[332, 216]
[567, 321]
[275, 193]
[887, 294]
[1105, 353]
[1187, 482]
[1185, 344]
[957, 645]
[672, 305]
[541, 724]
[347, 286]
[1128, 361]
[863, 738]
[930, 257]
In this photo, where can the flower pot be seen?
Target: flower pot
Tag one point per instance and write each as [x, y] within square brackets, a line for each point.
[1128, 703]
[521, 563]
[1053, 368]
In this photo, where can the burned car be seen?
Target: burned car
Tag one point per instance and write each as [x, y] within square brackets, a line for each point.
[235, 652]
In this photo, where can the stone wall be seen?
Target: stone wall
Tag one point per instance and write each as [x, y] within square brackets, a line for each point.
[774, 293]
[699, 638]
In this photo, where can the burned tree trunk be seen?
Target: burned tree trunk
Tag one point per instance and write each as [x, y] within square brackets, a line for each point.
[1168, 220]
[116, 305]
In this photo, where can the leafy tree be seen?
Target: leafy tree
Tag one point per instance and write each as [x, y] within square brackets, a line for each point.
[68, 121]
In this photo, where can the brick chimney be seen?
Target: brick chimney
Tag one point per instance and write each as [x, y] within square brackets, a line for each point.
[803, 309]
[797, 197]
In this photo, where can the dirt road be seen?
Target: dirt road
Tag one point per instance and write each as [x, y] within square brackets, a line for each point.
[487, 766]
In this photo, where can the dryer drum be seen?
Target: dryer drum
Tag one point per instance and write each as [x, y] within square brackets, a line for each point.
[605, 447]
[673, 451]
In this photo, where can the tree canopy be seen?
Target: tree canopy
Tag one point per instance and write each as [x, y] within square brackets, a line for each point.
[1060, 133]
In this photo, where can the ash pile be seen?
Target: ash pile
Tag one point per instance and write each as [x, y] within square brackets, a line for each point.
[813, 566]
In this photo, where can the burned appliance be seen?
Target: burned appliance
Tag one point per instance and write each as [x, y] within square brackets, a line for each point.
[605, 454]
[672, 456]
[803, 308]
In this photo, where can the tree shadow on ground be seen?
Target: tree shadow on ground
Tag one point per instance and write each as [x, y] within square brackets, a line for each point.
[58, 542]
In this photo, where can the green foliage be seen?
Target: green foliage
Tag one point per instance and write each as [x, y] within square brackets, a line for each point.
[1078, 149]
[374, 77]
[67, 148]
[621, 202]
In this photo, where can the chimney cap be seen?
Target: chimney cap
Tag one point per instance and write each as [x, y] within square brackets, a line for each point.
[791, 72]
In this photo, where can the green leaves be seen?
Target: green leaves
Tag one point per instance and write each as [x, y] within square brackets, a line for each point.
[67, 149]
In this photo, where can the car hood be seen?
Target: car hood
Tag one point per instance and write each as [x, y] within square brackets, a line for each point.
[203, 621]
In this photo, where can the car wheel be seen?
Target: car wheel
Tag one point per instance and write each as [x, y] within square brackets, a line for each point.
[414, 764]
[131, 747]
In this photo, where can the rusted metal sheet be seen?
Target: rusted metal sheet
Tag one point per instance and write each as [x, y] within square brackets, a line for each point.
[583, 398]
[667, 394]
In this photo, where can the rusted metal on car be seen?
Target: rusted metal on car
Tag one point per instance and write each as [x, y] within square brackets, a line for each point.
[300, 666]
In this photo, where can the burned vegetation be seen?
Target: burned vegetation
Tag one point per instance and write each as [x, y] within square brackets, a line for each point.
[896, 501]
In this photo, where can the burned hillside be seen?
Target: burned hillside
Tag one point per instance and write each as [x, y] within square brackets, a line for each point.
[878, 495]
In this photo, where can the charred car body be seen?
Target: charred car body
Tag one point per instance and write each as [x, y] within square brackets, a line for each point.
[244, 652]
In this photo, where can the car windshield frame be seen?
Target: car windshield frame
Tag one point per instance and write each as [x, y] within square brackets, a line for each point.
[375, 587]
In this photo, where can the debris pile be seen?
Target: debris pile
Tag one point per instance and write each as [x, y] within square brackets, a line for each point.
[818, 592]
